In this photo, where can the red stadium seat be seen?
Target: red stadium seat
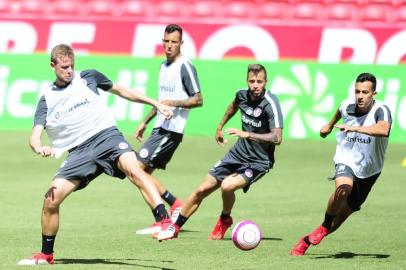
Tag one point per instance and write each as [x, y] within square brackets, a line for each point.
[274, 10]
[341, 12]
[375, 13]
[173, 9]
[205, 9]
[33, 7]
[102, 8]
[307, 10]
[4, 6]
[239, 9]
[400, 14]
[134, 8]
[66, 8]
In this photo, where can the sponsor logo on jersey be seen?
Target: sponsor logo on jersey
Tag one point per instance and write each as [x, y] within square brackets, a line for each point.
[123, 145]
[167, 88]
[257, 112]
[144, 153]
[248, 111]
[359, 139]
[251, 122]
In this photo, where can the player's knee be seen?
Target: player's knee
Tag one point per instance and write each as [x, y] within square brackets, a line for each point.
[343, 191]
[51, 205]
[227, 186]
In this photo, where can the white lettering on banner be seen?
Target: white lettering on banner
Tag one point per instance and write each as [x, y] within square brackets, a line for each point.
[393, 49]
[17, 37]
[4, 72]
[148, 36]
[401, 114]
[15, 106]
[334, 40]
[255, 38]
[122, 108]
[71, 33]
[12, 95]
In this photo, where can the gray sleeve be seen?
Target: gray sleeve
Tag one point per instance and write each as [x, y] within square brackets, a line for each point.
[94, 77]
[383, 114]
[41, 112]
[274, 111]
[189, 79]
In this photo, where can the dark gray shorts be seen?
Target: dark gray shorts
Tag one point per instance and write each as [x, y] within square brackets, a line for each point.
[96, 155]
[159, 148]
[251, 172]
[360, 188]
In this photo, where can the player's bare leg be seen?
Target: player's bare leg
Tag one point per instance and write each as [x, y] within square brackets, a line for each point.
[56, 194]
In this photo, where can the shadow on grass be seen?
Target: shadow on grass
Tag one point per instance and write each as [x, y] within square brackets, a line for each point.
[349, 255]
[130, 262]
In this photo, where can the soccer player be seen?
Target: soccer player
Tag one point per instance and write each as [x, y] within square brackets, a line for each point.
[359, 157]
[247, 161]
[179, 88]
[77, 120]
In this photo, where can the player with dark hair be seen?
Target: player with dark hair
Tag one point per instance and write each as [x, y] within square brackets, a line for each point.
[359, 157]
[76, 119]
[178, 87]
[251, 157]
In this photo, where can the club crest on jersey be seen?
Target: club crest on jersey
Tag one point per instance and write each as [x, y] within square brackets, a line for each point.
[123, 145]
[257, 112]
[248, 111]
[249, 173]
[144, 153]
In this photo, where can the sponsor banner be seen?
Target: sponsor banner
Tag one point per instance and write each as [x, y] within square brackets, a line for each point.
[309, 93]
[324, 44]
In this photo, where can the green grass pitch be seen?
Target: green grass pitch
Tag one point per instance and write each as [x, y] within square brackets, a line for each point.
[98, 224]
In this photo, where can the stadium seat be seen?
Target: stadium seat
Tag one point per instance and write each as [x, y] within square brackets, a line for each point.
[4, 7]
[102, 8]
[66, 8]
[172, 9]
[307, 10]
[341, 12]
[33, 7]
[239, 9]
[274, 10]
[375, 13]
[135, 8]
[205, 9]
[400, 14]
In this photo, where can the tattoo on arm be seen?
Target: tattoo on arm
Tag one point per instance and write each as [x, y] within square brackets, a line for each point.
[271, 137]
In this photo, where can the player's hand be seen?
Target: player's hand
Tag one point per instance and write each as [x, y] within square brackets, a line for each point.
[140, 131]
[165, 110]
[345, 128]
[220, 137]
[44, 151]
[237, 133]
[325, 130]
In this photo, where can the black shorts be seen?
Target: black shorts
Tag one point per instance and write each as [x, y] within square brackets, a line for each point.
[251, 172]
[96, 155]
[159, 148]
[361, 186]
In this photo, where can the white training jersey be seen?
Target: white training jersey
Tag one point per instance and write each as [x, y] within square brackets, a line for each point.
[177, 81]
[75, 113]
[364, 154]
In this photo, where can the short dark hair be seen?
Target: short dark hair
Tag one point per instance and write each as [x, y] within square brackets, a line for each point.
[367, 77]
[256, 68]
[170, 28]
